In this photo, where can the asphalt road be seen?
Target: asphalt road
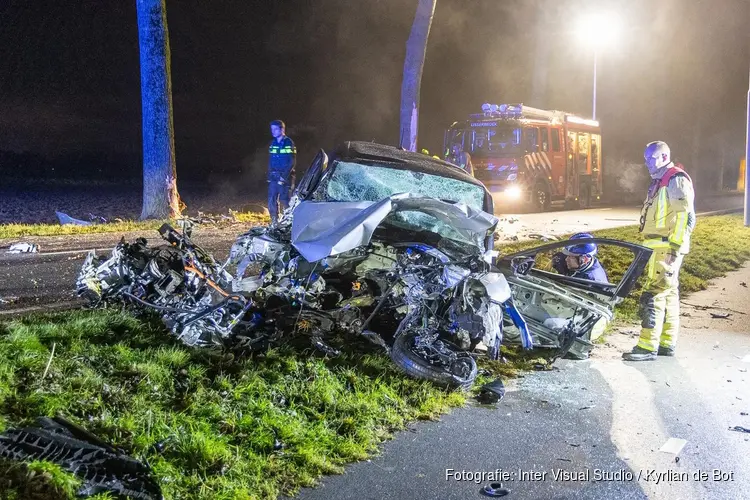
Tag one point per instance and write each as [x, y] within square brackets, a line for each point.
[46, 280]
[601, 415]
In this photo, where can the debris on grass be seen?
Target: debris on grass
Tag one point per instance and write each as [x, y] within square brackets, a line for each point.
[67, 219]
[543, 237]
[99, 466]
[24, 248]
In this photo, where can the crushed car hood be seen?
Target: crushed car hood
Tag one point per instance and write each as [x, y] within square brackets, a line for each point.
[324, 229]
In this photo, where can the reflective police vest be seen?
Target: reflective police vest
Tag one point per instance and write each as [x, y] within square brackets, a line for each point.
[281, 160]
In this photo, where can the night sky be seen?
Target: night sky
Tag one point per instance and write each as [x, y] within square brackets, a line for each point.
[70, 81]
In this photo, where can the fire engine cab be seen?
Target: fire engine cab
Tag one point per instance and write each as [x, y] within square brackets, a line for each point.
[531, 156]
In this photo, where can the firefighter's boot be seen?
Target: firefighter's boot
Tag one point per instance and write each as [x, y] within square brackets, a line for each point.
[639, 354]
[666, 351]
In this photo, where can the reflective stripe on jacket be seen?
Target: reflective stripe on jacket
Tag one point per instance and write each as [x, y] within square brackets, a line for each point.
[281, 160]
[668, 214]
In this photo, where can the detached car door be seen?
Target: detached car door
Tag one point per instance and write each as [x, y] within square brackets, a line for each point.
[562, 311]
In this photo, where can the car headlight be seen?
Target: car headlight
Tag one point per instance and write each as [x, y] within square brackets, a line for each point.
[513, 192]
[512, 177]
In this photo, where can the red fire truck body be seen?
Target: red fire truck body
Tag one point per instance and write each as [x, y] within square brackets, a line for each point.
[529, 156]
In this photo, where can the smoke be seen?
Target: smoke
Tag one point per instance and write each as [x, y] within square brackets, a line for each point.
[629, 180]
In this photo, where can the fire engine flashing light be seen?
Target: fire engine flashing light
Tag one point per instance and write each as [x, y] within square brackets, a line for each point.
[582, 121]
[507, 110]
[513, 192]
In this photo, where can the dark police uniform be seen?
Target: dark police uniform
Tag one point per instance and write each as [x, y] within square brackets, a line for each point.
[282, 157]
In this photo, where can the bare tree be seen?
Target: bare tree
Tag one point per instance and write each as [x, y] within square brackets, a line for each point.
[160, 197]
[416, 50]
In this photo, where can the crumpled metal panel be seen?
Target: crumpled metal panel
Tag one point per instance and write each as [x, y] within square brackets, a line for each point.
[324, 229]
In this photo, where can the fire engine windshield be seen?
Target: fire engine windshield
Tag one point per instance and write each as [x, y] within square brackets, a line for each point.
[494, 140]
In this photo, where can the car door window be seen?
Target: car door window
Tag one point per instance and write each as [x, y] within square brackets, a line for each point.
[611, 255]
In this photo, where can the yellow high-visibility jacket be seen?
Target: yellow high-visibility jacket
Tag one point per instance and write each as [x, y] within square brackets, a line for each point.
[668, 214]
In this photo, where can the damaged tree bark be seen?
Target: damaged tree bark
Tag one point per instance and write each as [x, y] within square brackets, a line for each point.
[416, 50]
[160, 197]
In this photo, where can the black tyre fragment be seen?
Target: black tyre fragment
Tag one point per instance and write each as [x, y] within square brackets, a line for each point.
[417, 367]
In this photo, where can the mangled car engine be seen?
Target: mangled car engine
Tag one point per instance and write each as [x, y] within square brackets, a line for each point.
[425, 299]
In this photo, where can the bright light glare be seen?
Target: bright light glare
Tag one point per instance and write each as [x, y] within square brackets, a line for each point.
[598, 30]
[513, 192]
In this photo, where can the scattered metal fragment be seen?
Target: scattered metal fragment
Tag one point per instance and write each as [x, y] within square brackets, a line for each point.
[673, 446]
[742, 283]
[585, 408]
[495, 490]
[543, 237]
[8, 299]
[67, 219]
[739, 428]
[491, 392]
[720, 315]
[24, 248]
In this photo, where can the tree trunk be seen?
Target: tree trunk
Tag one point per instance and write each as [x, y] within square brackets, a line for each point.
[541, 57]
[160, 198]
[416, 50]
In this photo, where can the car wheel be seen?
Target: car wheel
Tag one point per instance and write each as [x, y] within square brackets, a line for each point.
[540, 200]
[460, 375]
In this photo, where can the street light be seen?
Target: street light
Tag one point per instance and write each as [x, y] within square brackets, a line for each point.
[598, 31]
[747, 162]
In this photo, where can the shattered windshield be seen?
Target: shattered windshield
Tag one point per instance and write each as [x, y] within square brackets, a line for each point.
[413, 220]
[359, 182]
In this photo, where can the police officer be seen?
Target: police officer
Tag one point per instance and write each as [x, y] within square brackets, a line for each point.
[667, 222]
[282, 157]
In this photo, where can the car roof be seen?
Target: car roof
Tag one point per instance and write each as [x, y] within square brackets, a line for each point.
[399, 158]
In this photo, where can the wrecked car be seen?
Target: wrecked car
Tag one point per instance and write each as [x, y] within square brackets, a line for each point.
[377, 242]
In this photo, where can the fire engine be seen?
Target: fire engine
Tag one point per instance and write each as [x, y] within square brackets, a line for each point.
[531, 156]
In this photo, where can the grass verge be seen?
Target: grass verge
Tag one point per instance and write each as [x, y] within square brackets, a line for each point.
[23, 230]
[217, 420]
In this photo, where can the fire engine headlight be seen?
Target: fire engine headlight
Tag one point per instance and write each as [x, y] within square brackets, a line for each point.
[513, 192]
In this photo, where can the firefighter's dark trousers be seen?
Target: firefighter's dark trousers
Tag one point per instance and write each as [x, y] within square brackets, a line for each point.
[278, 198]
[660, 301]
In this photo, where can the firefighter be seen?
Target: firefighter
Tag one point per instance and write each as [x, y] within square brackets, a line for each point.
[461, 158]
[282, 158]
[579, 261]
[667, 222]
